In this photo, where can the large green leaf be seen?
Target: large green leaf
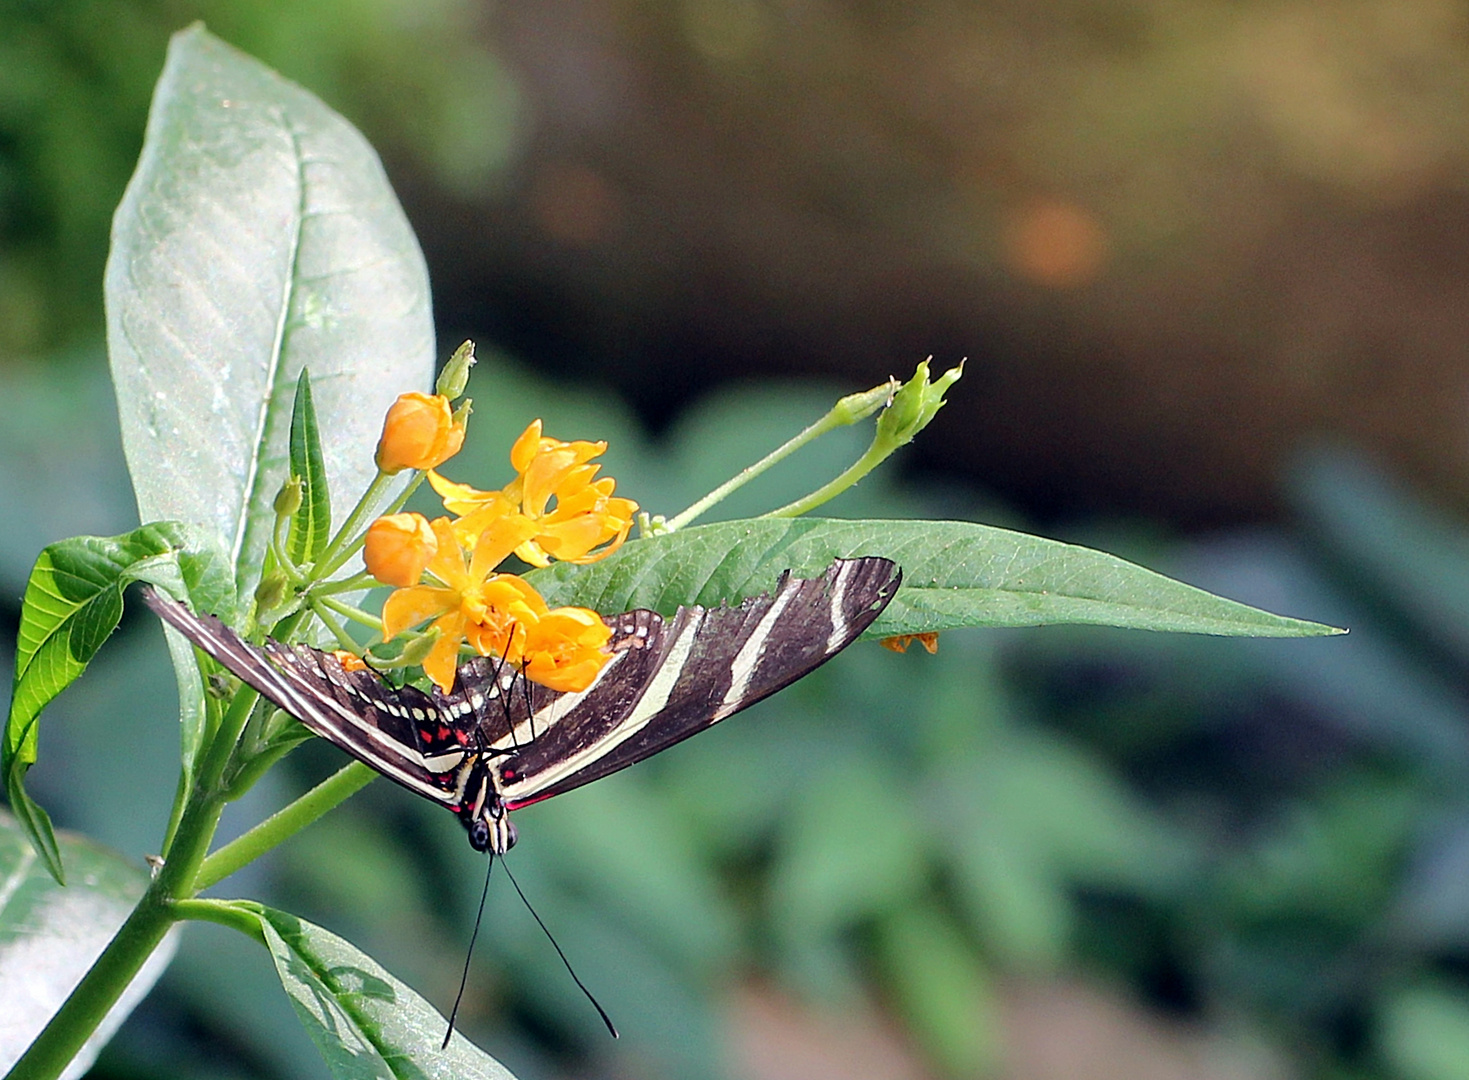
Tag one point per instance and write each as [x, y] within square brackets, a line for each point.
[955, 573]
[365, 1022]
[73, 602]
[258, 237]
[50, 936]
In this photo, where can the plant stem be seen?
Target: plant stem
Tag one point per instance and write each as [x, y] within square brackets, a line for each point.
[847, 411]
[871, 459]
[344, 640]
[287, 821]
[364, 580]
[347, 611]
[333, 556]
[125, 954]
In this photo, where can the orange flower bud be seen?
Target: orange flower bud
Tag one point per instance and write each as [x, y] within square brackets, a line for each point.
[419, 432]
[398, 548]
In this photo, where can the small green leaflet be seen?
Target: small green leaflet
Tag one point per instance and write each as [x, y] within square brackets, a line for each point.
[311, 525]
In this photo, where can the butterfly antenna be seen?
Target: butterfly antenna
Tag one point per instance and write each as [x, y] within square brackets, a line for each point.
[611, 1028]
[530, 709]
[500, 692]
[464, 979]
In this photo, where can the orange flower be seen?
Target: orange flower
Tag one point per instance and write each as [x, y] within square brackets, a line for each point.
[471, 602]
[496, 614]
[349, 661]
[398, 548]
[586, 523]
[564, 650]
[419, 432]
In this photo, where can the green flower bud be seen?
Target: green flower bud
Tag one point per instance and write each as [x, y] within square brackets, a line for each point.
[273, 591]
[915, 404]
[288, 498]
[455, 375]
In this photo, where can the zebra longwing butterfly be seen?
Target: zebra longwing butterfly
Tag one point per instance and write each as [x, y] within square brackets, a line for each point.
[497, 742]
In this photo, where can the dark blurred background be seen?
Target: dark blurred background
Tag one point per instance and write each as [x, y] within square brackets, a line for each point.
[1209, 262]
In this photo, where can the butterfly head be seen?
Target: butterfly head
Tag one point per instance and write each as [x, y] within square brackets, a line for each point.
[489, 825]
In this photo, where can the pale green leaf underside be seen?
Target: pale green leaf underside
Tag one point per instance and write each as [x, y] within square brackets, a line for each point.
[365, 1022]
[955, 574]
[257, 237]
[50, 935]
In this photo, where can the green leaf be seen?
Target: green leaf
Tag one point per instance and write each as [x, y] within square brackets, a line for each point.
[257, 237]
[955, 574]
[72, 603]
[49, 935]
[365, 1022]
[311, 524]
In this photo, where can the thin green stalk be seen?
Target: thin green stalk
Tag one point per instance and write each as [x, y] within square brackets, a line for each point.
[849, 410]
[278, 549]
[344, 640]
[393, 507]
[870, 460]
[222, 912]
[362, 580]
[286, 822]
[347, 611]
[330, 559]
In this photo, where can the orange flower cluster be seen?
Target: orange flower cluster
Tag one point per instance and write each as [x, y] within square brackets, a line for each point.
[445, 571]
[586, 524]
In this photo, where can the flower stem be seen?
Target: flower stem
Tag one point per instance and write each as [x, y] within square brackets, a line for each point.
[871, 459]
[347, 611]
[334, 555]
[362, 580]
[849, 410]
[322, 612]
[286, 822]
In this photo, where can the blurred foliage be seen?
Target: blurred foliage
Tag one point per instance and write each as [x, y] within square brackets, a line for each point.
[1266, 837]
[75, 81]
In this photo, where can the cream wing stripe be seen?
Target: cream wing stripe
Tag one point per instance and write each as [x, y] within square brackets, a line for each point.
[742, 669]
[654, 698]
[840, 624]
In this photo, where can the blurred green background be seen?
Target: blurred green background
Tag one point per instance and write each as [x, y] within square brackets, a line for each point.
[1208, 261]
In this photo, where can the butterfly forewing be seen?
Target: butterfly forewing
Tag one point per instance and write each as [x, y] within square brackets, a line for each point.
[703, 666]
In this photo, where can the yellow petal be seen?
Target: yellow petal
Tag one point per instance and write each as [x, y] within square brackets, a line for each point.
[442, 662]
[409, 607]
[526, 446]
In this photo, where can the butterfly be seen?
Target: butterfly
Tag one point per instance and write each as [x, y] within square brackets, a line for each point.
[497, 741]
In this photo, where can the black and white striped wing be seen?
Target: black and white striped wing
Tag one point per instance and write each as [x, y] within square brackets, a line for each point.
[380, 725]
[672, 678]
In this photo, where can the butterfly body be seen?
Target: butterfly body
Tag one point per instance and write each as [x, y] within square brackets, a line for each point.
[497, 741]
